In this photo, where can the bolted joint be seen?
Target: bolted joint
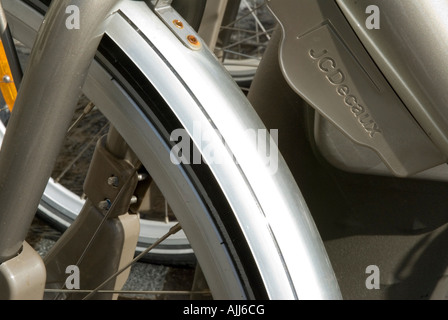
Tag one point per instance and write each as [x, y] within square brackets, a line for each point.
[105, 204]
[111, 181]
[174, 21]
[144, 181]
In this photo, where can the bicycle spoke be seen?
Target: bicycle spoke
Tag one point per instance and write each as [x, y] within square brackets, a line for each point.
[85, 112]
[81, 153]
[240, 29]
[167, 219]
[240, 54]
[153, 292]
[249, 33]
[265, 33]
[176, 228]
[98, 229]
[99, 268]
[256, 18]
[244, 16]
[106, 216]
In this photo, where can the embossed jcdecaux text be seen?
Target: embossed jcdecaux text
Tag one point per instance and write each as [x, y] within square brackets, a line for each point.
[336, 77]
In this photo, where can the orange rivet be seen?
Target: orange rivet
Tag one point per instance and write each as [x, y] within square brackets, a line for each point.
[193, 40]
[178, 24]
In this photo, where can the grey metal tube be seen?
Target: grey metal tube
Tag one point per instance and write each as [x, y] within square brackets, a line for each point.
[49, 93]
[115, 144]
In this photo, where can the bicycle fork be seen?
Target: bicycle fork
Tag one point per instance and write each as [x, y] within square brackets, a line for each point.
[103, 238]
[48, 95]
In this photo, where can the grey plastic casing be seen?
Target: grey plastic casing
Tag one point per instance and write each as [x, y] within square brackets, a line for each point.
[324, 61]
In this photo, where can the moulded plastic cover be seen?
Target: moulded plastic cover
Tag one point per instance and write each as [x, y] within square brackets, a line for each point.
[409, 45]
[23, 277]
[324, 62]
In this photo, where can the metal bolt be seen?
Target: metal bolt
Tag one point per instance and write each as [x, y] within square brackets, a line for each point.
[142, 176]
[193, 40]
[6, 79]
[113, 181]
[178, 24]
[134, 200]
[105, 204]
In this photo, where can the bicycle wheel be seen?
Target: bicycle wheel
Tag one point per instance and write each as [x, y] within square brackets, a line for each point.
[63, 197]
[247, 223]
[246, 30]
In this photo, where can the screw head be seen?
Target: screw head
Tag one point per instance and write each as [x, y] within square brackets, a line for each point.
[113, 181]
[193, 40]
[134, 200]
[179, 24]
[105, 204]
[142, 176]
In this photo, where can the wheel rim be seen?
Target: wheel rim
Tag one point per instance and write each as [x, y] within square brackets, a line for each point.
[243, 40]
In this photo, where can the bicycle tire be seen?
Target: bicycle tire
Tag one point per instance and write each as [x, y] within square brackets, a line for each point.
[252, 233]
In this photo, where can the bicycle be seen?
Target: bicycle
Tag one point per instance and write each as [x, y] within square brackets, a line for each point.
[234, 278]
[361, 91]
[63, 197]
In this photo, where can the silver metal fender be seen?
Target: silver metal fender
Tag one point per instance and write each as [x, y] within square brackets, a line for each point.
[271, 210]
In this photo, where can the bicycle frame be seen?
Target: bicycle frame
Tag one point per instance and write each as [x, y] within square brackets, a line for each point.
[45, 112]
[312, 260]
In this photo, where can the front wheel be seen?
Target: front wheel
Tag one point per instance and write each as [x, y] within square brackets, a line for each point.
[193, 130]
